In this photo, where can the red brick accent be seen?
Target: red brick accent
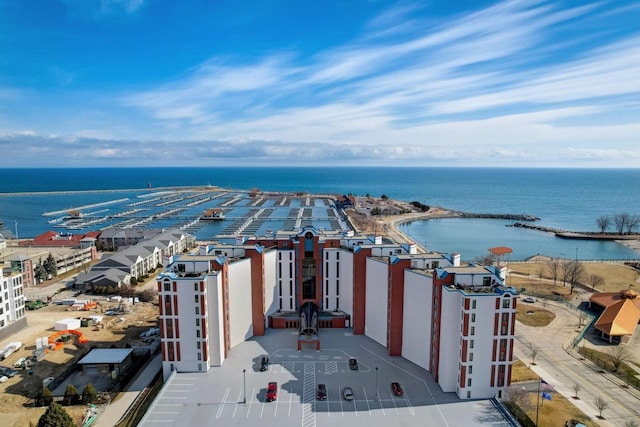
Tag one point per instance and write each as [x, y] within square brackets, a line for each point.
[465, 324]
[175, 305]
[177, 328]
[467, 303]
[463, 376]
[359, 290]
[178, 351]
[464, 350]
[257, 291]
[497, 303]
[495, 350]
[493, 375]
[513, 323]
[396, 306]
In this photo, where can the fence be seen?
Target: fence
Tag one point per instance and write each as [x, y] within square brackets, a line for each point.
[606, 364]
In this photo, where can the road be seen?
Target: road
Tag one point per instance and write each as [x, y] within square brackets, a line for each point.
[561, 366]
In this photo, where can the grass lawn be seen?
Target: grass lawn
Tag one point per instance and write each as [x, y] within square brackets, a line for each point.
[617, 276]
[552, 412]
[531, 315]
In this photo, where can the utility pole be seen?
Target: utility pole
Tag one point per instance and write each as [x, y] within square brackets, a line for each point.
[244, 382]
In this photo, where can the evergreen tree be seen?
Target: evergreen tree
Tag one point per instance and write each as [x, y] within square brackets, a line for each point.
[55, 416]
[89, 394]
[46, 397]
[71, 396]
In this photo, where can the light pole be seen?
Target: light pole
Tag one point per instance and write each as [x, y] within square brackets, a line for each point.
[244, 386]
[377, 397]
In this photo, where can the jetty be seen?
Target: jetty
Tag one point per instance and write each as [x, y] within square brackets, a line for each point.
[584, 235]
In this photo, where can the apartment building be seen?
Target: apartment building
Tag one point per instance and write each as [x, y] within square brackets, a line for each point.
[457, 322]
[12, 308]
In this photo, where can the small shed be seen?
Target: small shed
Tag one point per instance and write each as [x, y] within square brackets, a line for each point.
[105, 361]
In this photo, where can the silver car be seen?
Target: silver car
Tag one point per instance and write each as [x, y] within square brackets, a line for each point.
[347, 393]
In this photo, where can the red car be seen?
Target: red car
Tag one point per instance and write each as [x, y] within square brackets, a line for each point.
[397, 389]
[272, 391]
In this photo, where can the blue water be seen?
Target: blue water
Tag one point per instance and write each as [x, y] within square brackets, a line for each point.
[569, 199]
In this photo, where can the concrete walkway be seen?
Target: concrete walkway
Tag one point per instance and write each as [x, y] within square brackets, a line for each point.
[119, 407]
[562, 367]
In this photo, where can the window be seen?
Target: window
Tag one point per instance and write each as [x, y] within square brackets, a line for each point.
[195, 287]
[169, 328]
[199, 356]
[337, 287]
[198, 333]
[471, 343]
[198, 345]
[197, 298]
[197, 310]
[167, 286]
[473, 317]
[473, 330]
[469, 382]
[473, 304]
[198, 322]
[470, 369]
[470, 357]
[337, 255]
[199, 366]
[469, 394]
[506, 303]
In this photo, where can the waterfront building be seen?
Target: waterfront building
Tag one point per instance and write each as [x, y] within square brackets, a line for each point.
[12, 307]
[457, 322]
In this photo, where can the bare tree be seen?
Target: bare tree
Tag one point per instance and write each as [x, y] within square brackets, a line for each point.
[576, 388]
[594, 281]
[632, 223]
[519, 397]
[533, 352]
[603, 223]
[601, 405]
[619, 355]
[574, 273]
[553, 266]
[621, 222]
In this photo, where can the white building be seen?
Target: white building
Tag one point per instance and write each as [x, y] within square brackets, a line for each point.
[12, 307]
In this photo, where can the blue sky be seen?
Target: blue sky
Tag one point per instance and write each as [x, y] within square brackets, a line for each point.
[307, 82]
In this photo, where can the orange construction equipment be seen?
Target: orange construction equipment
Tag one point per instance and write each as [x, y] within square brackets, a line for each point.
[81, 338]
[89, 305]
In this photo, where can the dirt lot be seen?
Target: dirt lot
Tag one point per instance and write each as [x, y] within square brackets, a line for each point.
[16, 395]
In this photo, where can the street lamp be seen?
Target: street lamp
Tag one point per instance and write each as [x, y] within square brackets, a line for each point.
[244, 382]
[377, 397]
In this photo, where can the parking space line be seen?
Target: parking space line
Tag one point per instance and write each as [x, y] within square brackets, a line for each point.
[251, 401]
[290, 401]
[409, 405]
[276, 412]
[394, 401]
[367, 400]
[308, 391]
[224, 401]
[340, 398]
[237, 404]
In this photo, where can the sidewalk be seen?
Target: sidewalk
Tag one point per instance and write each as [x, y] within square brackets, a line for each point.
[119, 407]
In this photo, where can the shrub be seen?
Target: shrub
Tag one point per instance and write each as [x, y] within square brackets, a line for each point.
[71, 396]
[46, 397]
[89, 394]
[55, 415]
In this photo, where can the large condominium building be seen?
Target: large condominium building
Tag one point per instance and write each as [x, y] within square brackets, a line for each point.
[455, 321]
[12, 310]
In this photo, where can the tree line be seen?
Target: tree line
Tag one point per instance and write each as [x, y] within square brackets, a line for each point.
[622, 223]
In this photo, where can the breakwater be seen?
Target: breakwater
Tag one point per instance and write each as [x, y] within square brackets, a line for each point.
[585, 235]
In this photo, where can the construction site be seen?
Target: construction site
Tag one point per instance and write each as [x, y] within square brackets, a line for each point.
[57, 337]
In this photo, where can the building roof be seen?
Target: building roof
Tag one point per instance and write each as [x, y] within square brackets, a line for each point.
[99, 356]
[621, 313]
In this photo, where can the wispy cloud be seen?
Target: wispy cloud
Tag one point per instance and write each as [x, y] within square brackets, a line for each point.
[510, 83]
[101, 8]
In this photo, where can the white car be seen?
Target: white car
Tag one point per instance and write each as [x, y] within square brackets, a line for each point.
[347, 393]
[529, 300]
[4, 378]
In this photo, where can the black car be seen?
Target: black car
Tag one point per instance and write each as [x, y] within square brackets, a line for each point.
[321, 393]
[353, 364]
[264, 363]
[8, 372]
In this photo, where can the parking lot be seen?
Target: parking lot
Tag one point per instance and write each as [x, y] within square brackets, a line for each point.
[218, 397]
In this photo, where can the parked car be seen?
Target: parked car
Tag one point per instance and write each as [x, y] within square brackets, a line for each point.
[529, 300]
[9, 372]
[397, 389]
[272, 391]
[353, 364]
[264, 363]
[4, 378]
[321, 392]
[347, 393]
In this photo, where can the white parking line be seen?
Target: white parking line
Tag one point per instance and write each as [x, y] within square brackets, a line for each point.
[290, 401]
[394, 402]
[409, 405]
[224, 400]
[237, 404]
[276, 413]
[251, 401]
[367, 400]
[340, 397]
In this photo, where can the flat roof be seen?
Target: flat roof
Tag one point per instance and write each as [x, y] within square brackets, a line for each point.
[99, 356]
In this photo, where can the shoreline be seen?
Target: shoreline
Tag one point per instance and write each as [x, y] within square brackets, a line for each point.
[393, 221]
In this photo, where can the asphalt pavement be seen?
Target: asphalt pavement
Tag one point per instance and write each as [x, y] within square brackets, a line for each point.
[560, 365]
